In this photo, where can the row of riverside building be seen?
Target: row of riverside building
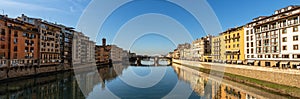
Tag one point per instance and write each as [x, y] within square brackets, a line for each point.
[34, 42]
[27, 41]
[271, 41]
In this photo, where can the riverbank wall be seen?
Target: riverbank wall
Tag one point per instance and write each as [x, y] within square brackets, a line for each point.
[279, 76]
[7, 73]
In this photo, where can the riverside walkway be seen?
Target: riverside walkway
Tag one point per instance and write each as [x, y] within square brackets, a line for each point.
[260, 68]
[289, 77]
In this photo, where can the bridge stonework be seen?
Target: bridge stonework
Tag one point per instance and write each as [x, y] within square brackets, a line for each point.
[156, 60]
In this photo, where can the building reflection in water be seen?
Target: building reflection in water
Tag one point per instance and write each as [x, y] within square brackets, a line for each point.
[58, 85]
[210, 88]
[89, 78]
[65, 86]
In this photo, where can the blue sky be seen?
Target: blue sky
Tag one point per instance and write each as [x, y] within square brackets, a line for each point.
[230, 13]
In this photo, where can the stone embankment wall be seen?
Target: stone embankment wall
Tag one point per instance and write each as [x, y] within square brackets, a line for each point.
[279, 76]
[21, 71]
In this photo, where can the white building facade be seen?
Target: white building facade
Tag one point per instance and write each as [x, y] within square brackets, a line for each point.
[276, 41]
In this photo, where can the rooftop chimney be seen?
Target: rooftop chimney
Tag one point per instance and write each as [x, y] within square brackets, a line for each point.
[103, 42]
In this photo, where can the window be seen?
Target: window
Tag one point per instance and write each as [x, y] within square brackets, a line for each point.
[2, 31]
[275, 56]
[16, 34]
[247, 51]
[2, 55]
[295, 47]
[266, 42]
[15, 55]
[15, 48]
[237, 45]
[295, 29]
[284, 47]
[252, 51]
[275, 49]
[295, 20]
[284, 39]
[31, 49]
[2, 46]
[24, 34]
[252, 44]
[15, 40]
[26, 49]
[284, 23]
[2, 38]
[296, 55]
[285, 56]
[247, 39]
[268, 63]
[284, 31]
[247, 44]
[295, 38]
[32, 36]
[247, 32]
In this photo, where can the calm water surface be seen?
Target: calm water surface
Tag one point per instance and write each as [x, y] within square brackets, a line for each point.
[148, 82]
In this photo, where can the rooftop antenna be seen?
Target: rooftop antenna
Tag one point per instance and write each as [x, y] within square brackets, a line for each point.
[2, 11]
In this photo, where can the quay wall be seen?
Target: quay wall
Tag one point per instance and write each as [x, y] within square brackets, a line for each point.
[286, 77]
[21, 71]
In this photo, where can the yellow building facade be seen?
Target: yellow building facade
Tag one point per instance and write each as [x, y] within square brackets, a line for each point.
[234, 45]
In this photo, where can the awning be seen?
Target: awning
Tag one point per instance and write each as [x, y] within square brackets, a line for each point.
[250, 61]
[257, 62]
[284, 62]
[234, 61]
[232, 50]
[239, 61]
[295, 63]
[235, 50]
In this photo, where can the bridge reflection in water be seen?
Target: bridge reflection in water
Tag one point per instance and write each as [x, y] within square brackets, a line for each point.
[205, 85]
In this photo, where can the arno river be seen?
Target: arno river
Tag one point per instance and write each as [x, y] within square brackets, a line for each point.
[176, 82]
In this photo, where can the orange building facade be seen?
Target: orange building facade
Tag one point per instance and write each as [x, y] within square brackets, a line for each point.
[4, 39]
[19, 42]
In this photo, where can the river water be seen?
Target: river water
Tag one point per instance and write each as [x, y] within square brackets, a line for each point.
[119, 81]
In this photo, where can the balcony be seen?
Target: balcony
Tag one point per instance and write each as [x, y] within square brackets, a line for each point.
[236, 37]
[259, 38]
[274, 36]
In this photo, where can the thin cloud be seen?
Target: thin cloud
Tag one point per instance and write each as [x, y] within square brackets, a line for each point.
[76, 5]
[26, 6]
